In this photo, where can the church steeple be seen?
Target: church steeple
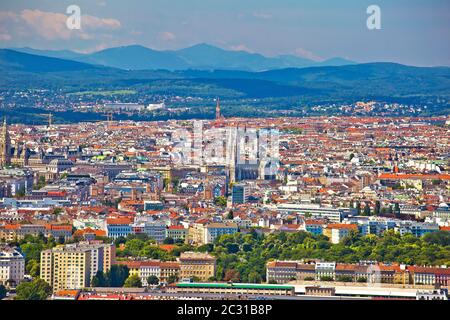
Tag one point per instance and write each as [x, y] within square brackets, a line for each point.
[5, 145]
[218, 116]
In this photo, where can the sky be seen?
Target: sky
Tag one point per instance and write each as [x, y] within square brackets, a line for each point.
[413, 32]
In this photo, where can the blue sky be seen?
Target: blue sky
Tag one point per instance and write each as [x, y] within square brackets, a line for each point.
[414, 32]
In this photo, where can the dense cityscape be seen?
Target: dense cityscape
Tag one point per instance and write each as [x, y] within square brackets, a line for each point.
[224, 159]
[353, 207]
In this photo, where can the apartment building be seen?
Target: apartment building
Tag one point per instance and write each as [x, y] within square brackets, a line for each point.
[160, 269]
[72, 266]
[365, 271]
[337, 231]
[215, 230]
[118, 227]
[12, 266]
[177, 233]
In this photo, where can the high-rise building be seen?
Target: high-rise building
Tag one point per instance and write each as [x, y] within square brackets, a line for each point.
[72, 266]
[239, 194]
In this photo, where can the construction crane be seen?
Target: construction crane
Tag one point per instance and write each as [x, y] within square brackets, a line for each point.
[49, 117]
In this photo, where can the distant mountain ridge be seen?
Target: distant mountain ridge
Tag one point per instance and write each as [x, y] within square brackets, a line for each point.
[382, 79]
[11, 60]
[199, 57]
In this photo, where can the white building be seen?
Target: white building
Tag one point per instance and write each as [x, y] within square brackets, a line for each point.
[437, 294]
[149, 268]
[12, 267]
[215, 230]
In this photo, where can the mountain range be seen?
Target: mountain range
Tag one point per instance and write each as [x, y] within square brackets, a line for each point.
[384, 81]
[199, 57]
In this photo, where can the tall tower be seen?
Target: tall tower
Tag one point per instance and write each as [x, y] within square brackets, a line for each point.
[5, 146]
[218, 116]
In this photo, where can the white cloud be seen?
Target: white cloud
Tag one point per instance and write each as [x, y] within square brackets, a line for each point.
[52, 25]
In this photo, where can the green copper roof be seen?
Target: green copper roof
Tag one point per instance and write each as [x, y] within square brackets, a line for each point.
[235, 285]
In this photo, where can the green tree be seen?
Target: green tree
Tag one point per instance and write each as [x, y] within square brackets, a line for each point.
[172, 279]
[220, 201]
[153, 280]
[438, 237]
[232, 275]
[358, 208]
[2, 292]
[326, 278]
[57, 211]
[99, 280]
[366, 211]
[134, 246]
[117, 275]
[344, 278]
[397, 213]
[168, 240]
[37, 289]
[133, 281]
[232, 247]
[377, 209]
[254, 277]
[32, 268]
[40, 184]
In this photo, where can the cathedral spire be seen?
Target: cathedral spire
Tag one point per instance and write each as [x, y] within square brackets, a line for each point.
[218, 109]
[5, 145]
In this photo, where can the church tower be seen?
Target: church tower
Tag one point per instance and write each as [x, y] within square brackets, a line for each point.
[218, 116]
[5, 146]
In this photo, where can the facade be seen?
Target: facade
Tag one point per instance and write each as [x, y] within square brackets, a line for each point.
[118, 227]
[160, 269]
[281, 271]
[169, 269]
[365, 271]
[196, 264]
[335, 215]
[417, 229]
[233, 289]
[149, 268]
[154, 230]
[153, 205]
[239, 194]
[17, 181]
[215, 230]
[313, 226]
[340, 230]
[430, 275]
[437, 294]
[12, 267]
[72, 266]
[196, 233]
[177, 233]
[319, 291]
[12, 232]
